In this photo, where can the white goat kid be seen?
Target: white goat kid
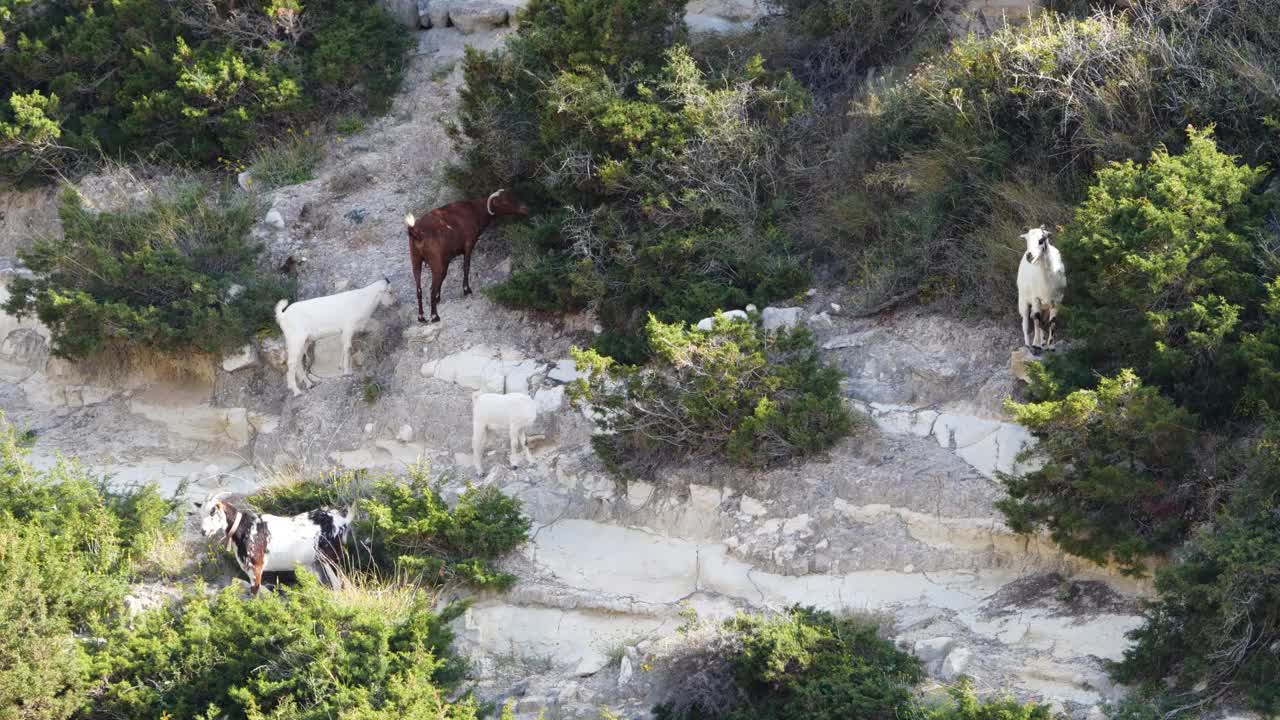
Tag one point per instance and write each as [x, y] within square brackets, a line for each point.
[344, 313]
[1042, 283]
[514, 413]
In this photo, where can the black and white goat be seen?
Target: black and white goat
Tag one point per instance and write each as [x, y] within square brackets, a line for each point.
[271, 543]
[1042, 283]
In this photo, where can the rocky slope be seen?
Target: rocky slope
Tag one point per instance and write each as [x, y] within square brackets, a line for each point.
[898, 519]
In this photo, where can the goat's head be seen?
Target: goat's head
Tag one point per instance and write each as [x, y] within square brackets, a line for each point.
[386, 298]
[1037, 240]
[505, 202]
[213, 515]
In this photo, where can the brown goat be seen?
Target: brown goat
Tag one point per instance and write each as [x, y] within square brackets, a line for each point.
[450, 231]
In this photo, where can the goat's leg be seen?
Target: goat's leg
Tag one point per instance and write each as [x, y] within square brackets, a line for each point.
[1051, 326]
[477, 445]
[1037, 337]
[515, 446]
[346, 352]
[417, 285]
[524, 444]
[294, 364]
[257, 576]
[1024, 309]
[437, 280]
[466, 273]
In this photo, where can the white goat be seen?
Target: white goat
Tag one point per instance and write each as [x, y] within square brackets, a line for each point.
[1042, 282]
[514, 412]
[344, 313]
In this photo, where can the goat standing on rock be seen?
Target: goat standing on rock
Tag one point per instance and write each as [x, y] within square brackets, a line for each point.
[270, 543]
[344, 313]
[513, 413]
[447, 232]
[1042, 283]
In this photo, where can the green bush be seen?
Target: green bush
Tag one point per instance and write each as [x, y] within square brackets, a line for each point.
[1119, 481]
[807, 664]
[1214, 629]
[751, 397]
[68, 549]
[1166, 278]
[292, 655]
[673, 172]
[160, 276]
[410, 530]
[184, 80]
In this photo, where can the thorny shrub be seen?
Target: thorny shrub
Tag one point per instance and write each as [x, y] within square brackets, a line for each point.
[178, 274]
[752, 397]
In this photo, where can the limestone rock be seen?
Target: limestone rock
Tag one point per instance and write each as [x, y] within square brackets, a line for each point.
[549, 400]
[955, 664]
[275, 219]
[1018, 360]
[237, 426]
[706, 324]
[273, 350]
[777, 318]
[264, 424]
[751, 506]
[1096, 713]
[424, 13]
[438, 13]
[477, 15]
[933, 650]
[244, 180]
[242, 358]
[592, 662]
[734, 10]
[565, 371]
[821, 321]
[625, 671]
[836, 309]
[405, 434]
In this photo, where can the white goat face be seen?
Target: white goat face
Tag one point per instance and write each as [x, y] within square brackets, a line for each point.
[213, 519]
[1037, 240]
[388, 296]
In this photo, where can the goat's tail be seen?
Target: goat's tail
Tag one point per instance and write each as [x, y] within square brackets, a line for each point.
[280, 308]
[409, 220]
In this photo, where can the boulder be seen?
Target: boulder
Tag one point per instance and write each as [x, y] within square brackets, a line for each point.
[934, 650]
[471, 17]
[565, 371]
[625, 671]
[405, 434]
[242, 358]
[1018, 360]
[751, 506]
[592, 662]
[549, 400]
[955, 664]
[777, 318]
[273, 350]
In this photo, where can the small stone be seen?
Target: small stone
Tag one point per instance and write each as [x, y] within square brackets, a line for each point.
[274, 219]
[624, 671]
[504, 267]
[597, 328]
[955, 664]
[233, 292]
[811, 292]
[752, 308]
[836, 309]
[406, 433]
[368, 428]
[244, 180]
[341, 285]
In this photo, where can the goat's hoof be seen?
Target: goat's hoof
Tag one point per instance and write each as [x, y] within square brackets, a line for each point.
[421, 319]
[435, 318]
[1036, 350]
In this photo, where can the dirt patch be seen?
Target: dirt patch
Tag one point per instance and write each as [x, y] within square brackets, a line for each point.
[1063, 597]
